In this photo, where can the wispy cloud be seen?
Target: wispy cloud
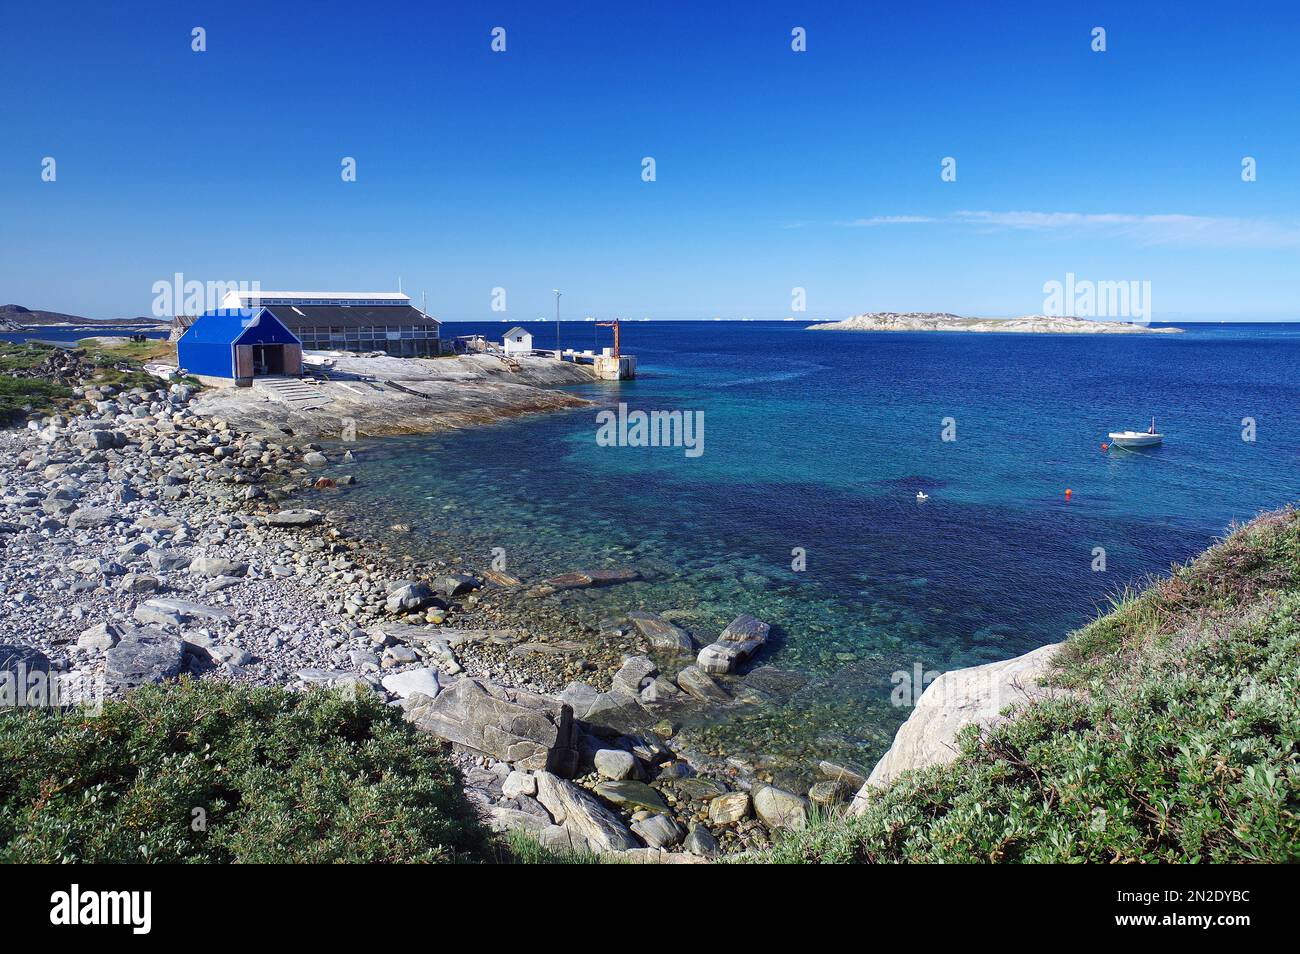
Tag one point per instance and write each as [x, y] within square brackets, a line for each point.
[890, 220]
[1166, 229]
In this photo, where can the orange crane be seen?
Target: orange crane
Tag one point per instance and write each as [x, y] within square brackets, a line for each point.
[611, 324]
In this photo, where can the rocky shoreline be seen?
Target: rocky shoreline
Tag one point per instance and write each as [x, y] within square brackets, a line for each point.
[143, 540]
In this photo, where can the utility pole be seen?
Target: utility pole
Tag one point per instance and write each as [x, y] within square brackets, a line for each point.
[558, 353]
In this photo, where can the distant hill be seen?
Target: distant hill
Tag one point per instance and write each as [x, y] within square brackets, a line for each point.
[19, 318]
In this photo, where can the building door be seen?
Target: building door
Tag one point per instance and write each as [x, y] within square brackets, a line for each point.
[268, 359]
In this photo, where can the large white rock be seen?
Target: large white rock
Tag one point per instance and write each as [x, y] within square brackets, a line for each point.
[956, 699]
[402, 684]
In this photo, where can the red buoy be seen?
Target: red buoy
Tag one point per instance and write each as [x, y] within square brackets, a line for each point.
[1105, 447]
[1068, 493]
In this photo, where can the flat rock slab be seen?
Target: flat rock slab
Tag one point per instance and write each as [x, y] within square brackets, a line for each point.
[294, 518]
[89, 517]
[175, 613]
[530, 731]
[138, 660]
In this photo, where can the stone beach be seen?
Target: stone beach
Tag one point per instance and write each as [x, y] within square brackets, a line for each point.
[143, 540]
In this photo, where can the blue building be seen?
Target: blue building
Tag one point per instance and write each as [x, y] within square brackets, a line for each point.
[237, 345]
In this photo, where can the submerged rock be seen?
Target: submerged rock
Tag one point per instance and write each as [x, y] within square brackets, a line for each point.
[742, 637]
[695, 682]
[661, 634]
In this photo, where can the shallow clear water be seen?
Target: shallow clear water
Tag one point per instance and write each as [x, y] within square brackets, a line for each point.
[820, 441]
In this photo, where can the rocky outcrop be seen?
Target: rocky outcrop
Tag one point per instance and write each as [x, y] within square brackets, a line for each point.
[955, 700]
[530, 731]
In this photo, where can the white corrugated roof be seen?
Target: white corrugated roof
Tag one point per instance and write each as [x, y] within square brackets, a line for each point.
[333, 295]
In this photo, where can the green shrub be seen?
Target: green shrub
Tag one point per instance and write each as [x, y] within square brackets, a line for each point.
[278, 777]
[1181, 744]
[22, 396]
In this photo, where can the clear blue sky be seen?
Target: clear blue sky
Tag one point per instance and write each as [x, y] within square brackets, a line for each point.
[775, 169]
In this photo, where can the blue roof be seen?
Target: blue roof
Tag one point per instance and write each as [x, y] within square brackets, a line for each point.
[227, 325]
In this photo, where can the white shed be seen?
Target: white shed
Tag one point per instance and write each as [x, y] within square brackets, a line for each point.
[518, 341]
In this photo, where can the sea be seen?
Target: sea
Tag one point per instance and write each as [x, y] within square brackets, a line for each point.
[799, 503]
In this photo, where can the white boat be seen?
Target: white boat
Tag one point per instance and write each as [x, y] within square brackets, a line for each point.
[1135, 438]
[164, 371]
[922, 496]
[1147, 438]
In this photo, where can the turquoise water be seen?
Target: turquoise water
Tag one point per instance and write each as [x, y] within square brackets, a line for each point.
[820, 441]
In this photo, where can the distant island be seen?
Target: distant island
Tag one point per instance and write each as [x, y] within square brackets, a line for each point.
[16, 318]
[1027, 324]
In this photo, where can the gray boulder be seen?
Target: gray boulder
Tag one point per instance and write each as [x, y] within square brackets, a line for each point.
[615, 764]
[176, 613]
[959, 697]
[530, 731]
[164, 561]
[98, 440]
[659, 831]
[455, 584]
[632, 674]
[742, 637]
[18, 664]
[701, 842]
[777, 808]
[294, 518]
[216, 566]
[102, 636]
[139, 659]
[407, 596]
[89, 517]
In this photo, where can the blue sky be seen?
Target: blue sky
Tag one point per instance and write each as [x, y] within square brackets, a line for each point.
[775, 169]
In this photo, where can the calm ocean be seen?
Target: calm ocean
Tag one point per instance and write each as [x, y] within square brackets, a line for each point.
[817, 442]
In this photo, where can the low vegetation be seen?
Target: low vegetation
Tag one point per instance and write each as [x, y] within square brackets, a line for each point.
[1181, 742]
[215, 772]
[26, 389]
